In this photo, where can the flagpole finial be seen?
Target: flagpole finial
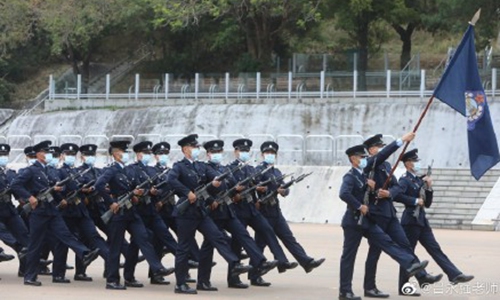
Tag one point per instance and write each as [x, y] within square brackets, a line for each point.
[475, 18]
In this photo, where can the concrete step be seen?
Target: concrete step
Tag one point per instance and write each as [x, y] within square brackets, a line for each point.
[455, 193]
[457, 198]
[481, 189]
[453, 213]
[452, 200]
[447, 205]
[438, 183]
[470, 180]
[495, 172]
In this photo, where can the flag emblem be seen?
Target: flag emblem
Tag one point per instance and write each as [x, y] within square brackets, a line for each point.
[474, 104]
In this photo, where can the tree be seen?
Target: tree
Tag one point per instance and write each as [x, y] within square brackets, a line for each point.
[16, 25]
[76, 28]
[361, 20]
[405, 19]
[262, 22]
[456, 14]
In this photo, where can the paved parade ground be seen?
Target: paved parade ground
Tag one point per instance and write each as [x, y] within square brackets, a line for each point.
[474, 252]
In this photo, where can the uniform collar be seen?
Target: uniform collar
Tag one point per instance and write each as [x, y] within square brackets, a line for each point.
[358, 170]
[39, 164]
[412, 175]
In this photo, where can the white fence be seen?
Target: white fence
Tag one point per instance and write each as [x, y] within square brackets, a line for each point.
[256, 86]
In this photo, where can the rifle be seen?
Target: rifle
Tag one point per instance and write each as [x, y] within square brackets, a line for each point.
[263, 183]
[124, 201]
[202, 190]
[366, 197]
[146, 198]
[45, 195]
[416, 212]
[73, 196]
[270, 198]
[225, 197]
[168, 198]
[5, 195]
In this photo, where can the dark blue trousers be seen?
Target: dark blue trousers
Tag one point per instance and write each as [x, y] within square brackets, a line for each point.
[283, 232]
[376, 237]
[85, 229]
[261, 226]
[160, 236]
[40, 226]
[95, 213]
[194, 250]
[14, 230]
[393, 228]
[132, 223]
[238, 232]
[186, 229]
[7, 237]
[425, 236]
[13, 233]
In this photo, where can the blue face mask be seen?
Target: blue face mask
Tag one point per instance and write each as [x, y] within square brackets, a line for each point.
[216, 158]
[163, 160]
[244, 156]
[270, 158]
[3, 161]
[146, 158]
[48, 157]
[90, 160]
[195, 153]
[417, 166]
[69, 160]
[31, 161]
[363, 163]
[125, 157]
[53, 162]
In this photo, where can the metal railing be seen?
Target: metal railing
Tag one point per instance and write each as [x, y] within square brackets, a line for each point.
[283, 85]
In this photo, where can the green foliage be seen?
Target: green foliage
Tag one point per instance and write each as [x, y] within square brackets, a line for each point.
[6, 89]
[247, 63]
[455, 15]
[221, 35]
[262, 22]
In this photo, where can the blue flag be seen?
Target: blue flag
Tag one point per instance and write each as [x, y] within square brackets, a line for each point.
[460, 87]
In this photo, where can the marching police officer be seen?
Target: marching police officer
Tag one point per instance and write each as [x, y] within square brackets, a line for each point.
[140, 172]
[186, 177]
[44, 218]
[273, 214]
[225, 218]
[124, 219]
[90, 197]
[244, 207]
[75, 212]
[416, 195]
[9, 217]
[356, 224]
[382, 210]
[165, 201]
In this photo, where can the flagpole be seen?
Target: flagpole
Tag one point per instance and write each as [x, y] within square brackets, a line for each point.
[422, 115]
[472, 22]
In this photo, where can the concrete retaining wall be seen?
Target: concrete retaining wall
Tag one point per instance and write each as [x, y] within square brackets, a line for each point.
[442, 135]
